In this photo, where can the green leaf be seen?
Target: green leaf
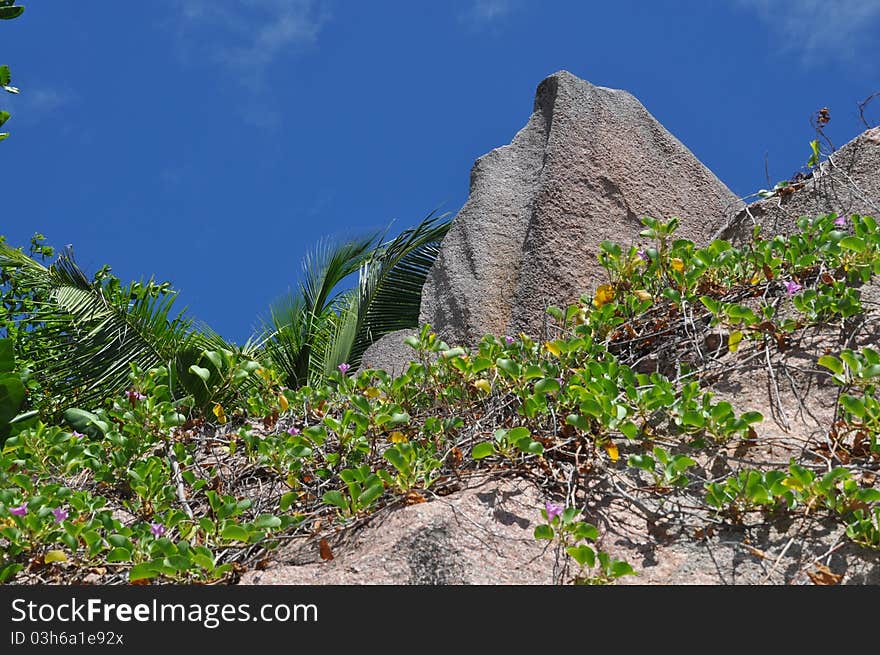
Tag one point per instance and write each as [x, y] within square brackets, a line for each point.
[235, 532]
[509, 366]
[694, 419]
[203, 373]
[5, 76]
[644, 462]
[543, 531]
[547, 385]
[119, 541]
[204, 561]
[529, 446]
[287, 500]
[119, 555]
[144, 571]
[335, 498]
[583, 555]
[399, 418]
[855, 406]
[586, 531]
[371, 494]
[832, 364]
[8, 13]
[855, 244]
[7, 357]
[215, 358]
[578, 421]
[629, 429]
[752, 417]
[482, 450]
[8, 572]
[620, 568]
[267, 521]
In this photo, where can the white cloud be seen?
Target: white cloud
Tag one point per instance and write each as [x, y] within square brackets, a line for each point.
[821, 29]
[243, 38]
[248, 35]
[483, 13]
[490, 10]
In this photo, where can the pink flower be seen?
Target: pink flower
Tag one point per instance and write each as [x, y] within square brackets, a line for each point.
[157, 529]
[343, 368]
[840, 221]
[60, 514]
[553, 510]
[134, 396]
[293, 431]
[792, 287]
[21, 510]
[509, 340]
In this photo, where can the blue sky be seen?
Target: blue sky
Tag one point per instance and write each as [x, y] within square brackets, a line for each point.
[212, 143]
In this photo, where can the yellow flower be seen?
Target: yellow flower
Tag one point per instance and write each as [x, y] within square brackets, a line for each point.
[677, 264]
[220, 414]
[604, 295]
[611, 449]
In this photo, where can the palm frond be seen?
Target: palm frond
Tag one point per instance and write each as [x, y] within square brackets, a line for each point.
[89, 338]
[391, 281]
[294, 336]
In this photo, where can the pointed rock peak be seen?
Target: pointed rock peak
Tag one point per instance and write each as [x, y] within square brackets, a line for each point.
[588, 165]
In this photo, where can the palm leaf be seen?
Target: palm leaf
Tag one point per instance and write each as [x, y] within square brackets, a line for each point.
[295, 335]
[390, 288]
[89, 337]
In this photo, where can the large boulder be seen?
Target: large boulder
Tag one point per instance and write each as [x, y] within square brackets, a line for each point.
[587, 166]
[847, 182]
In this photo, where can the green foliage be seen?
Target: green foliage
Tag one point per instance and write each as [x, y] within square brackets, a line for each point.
[8, 11]
[837, 490]
[12, 390]
[573, 537]
[208, 456]
[666, 470]
[311, 333]
[858, 373]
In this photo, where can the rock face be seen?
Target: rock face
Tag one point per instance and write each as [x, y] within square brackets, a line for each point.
[482, 534]
[590, 162]
[588, 165]
[847, 183]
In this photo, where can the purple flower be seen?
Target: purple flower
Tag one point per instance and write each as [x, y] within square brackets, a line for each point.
[644, 255]
[157, 529]
[60, 514]
[553, 510]
[343, 368]
[77, 434]
[792, 287]
[293, 431]
[840, 221]
[509, 340]
[134, 396]
[21, 510]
